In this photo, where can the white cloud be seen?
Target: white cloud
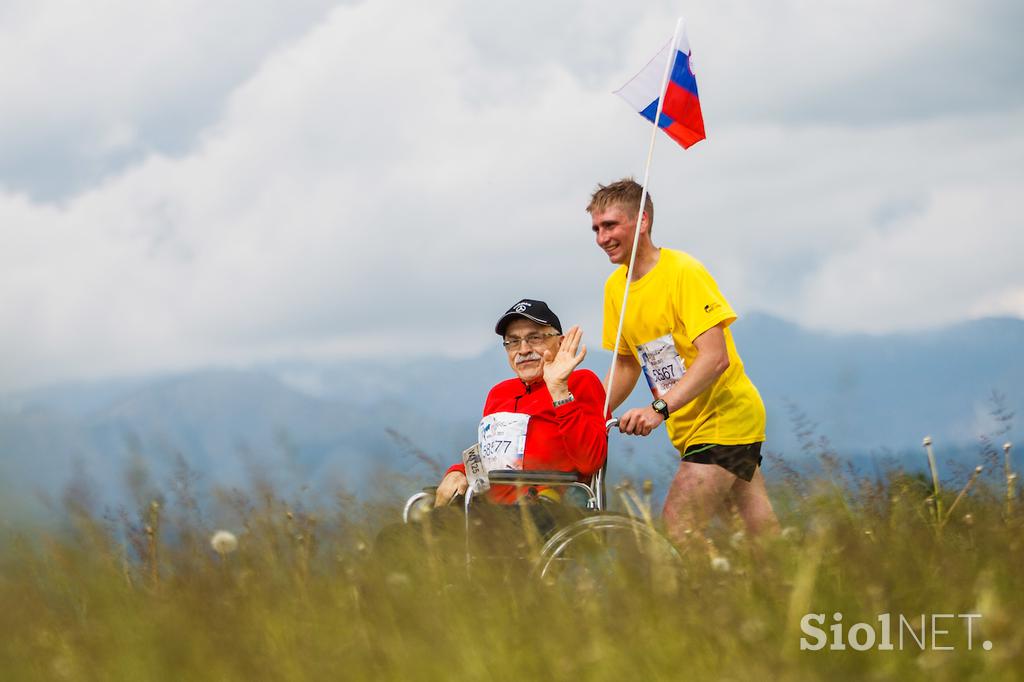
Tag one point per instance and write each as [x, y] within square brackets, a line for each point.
[793, 221]
[87, 86]
[958, 258]
[395, 178]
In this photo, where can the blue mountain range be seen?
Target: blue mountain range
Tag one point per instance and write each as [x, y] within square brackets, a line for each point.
[321, 425]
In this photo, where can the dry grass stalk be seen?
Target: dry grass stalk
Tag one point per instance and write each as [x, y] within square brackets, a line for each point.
[927, 442]
[153, 543]
[802, 594]
[1011, 478]
[974, 476]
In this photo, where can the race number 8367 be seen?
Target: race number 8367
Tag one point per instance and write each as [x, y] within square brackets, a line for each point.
[661, 363]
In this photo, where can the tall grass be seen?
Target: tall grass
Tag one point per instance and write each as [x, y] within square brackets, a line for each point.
[141, 594]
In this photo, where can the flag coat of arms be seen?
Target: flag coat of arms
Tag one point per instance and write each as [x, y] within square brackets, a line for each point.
[680, 116]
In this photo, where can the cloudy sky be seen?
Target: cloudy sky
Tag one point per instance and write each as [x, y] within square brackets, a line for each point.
[191, 183]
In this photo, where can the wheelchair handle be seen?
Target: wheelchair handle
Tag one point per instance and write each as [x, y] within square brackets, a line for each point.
[610, 424]
[516, 476]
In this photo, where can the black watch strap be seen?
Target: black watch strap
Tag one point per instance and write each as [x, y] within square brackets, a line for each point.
[661, 407]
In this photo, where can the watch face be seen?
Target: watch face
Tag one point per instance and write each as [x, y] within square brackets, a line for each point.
[661, 406]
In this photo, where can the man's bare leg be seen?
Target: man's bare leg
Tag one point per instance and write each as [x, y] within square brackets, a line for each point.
[695, 494]
[755, 508]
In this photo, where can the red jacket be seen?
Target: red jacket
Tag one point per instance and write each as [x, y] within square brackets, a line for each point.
[569, 438]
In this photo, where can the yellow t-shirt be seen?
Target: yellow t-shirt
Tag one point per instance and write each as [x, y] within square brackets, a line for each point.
[671, 305]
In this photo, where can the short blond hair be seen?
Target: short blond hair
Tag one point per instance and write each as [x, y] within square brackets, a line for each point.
[625, 194]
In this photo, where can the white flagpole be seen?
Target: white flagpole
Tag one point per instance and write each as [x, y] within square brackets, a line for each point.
[673, 48]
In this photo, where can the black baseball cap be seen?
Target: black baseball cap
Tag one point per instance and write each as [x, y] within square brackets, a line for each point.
[537, 311]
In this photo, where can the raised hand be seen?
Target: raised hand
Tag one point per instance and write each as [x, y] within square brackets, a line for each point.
[558, 366]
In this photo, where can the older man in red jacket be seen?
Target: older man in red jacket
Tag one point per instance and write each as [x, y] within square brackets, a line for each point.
[549, 417]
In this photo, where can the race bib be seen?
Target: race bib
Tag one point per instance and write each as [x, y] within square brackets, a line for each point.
[661, 363]
[476, 475]
[502, 438]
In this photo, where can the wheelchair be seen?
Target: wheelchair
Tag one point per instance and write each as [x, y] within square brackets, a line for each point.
[594, 547]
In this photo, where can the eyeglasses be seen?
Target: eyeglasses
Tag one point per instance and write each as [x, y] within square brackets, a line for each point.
[532, 340]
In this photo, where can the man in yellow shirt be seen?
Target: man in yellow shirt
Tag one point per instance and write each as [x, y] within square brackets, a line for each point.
[676, 333]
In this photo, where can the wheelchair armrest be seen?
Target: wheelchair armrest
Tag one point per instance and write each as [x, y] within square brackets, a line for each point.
[513, 477]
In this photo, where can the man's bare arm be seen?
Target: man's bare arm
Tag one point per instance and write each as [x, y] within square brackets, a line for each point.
[711, 361]
[627, 371]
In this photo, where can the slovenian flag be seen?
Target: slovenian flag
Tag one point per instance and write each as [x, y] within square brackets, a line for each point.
[680, 115]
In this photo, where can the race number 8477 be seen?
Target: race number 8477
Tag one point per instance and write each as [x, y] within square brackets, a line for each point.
[496, 447]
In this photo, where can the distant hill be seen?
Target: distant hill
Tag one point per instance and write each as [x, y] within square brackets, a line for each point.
[888, 391]
[318, 424]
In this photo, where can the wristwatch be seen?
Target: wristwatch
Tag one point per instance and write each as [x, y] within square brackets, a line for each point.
[661, 407]
[564, 401]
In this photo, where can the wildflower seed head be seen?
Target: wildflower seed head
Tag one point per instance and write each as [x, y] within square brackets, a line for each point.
[927, 441]
[978, 469]
[1012, 477]
[154, 505]
[224, 542]
[1006, 446]
[969, 519]
[720, 564]
[648, 486]
[149, 531]
[289, 515]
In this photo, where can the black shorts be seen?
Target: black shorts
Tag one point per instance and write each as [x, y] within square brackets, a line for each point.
[741, 460]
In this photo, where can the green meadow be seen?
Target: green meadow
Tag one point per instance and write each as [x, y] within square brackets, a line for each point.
[141, 594]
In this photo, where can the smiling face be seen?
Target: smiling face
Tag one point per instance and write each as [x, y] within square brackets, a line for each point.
[526, 359]
[613, 232]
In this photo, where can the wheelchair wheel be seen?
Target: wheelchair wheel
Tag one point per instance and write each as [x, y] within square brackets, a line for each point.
[599, 551]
